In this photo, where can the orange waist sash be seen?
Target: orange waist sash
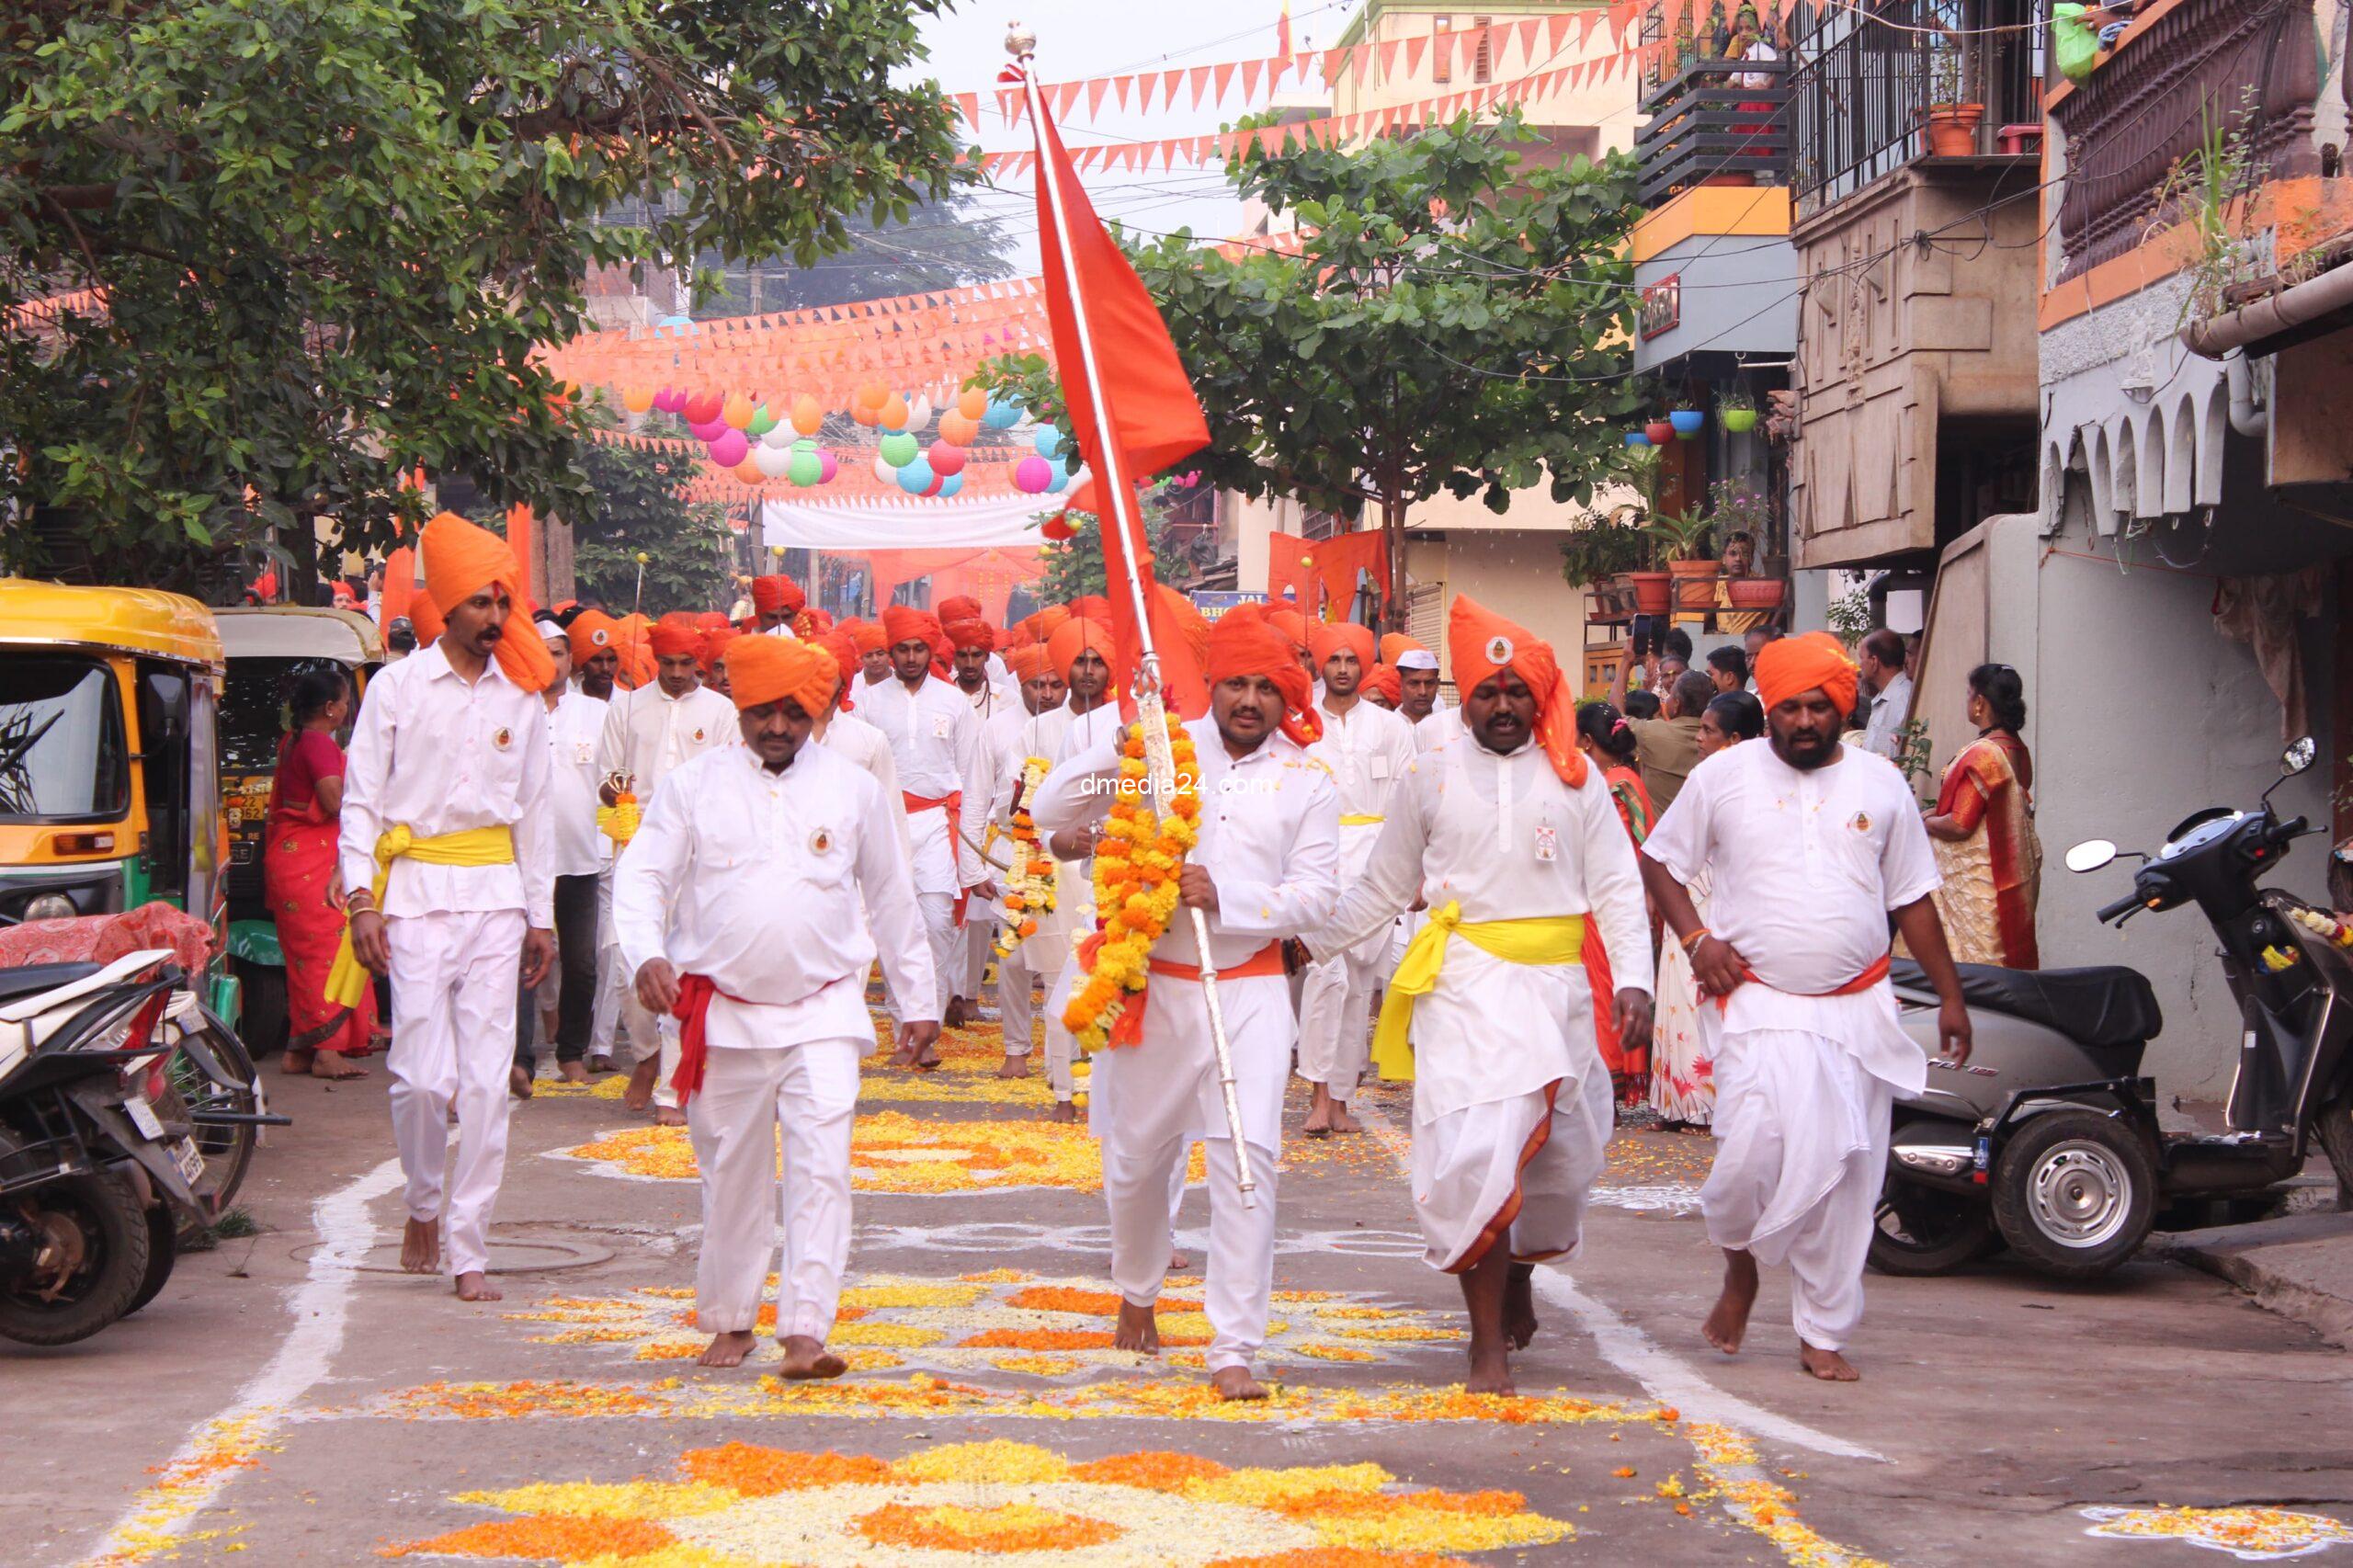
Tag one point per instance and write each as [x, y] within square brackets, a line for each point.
[1872, 974]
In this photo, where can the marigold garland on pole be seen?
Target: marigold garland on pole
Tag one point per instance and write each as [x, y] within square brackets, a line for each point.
[1030, 884]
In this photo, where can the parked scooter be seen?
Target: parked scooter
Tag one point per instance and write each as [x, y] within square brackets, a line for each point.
[2047, 1138]
[94, 1176]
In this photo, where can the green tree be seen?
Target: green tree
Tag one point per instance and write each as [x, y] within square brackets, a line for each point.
[1455, 318]
[1074, 566]
[292, 249]
[687, 544]
[942, 245]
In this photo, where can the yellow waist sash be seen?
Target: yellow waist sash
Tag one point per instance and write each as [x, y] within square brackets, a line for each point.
[1360, 819]
[1544, 939]
[348, 981]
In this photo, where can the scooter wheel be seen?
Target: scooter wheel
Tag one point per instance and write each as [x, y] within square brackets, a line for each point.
[2074, 1193]
[163, 1251]
[98, 1220]
[1922, 1231]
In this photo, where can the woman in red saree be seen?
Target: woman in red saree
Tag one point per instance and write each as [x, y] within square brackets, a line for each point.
[298, 872]
[1983, 830]
[1608, 743]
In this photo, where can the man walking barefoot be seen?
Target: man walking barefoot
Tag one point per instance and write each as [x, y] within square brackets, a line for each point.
[1811, 847]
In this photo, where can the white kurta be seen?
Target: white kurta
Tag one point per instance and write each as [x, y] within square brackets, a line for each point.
[1058, 734]
[936, 742]
[851, 737]
[1805, 868]
[1368, 749]
[1000, 736]
[576, 726]
[1270, 839]
[440, 756]
[1437, 727]
[756, 879]
[1504, 1050]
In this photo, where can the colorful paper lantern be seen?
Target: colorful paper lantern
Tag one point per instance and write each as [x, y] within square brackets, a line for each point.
[736, 410]
[1058, 475]
[730, 449]
[946, 457]
[807, 416]
[870, 395]
[749, 472]
[703, 408]
[707, 432]
[899, 449]
[1047, 441]
[950, 485]
[893, 415]
[764, 419]
[774, 463]
[805, 469]
[1031, 475]
[828, 466]
[916, 477]
[780, 436]
[959, 429]
[884, 471]
[918, 412]
[637, 400]
[669, 400]
[972, 403]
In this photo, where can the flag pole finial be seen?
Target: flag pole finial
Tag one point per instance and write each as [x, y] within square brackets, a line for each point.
[1020, 43]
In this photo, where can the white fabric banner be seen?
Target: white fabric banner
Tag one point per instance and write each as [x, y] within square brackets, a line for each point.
[997, 520]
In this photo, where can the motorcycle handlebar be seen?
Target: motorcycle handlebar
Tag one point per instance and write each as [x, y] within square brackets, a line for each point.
[2125, 905]
[2294, 827]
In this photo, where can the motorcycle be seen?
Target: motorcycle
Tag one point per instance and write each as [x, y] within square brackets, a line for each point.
[2046, 1141]
[100, 1159]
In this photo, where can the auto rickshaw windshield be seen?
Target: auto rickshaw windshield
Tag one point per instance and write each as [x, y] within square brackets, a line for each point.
[63, 757]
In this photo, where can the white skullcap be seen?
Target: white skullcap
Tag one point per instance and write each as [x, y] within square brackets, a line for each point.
[1417, 659]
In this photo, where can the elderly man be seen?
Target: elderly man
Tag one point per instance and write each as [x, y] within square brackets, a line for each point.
[1524, 861]
[446, 847]
[1368, 749]
[1266, 868]
[936, 742]
[771, 990]
[649, 732]
[1889, 685]
[1809, 848]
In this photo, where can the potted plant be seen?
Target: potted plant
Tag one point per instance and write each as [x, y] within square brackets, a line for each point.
[1683, 538]
[1600, 554]
[1951, 131]
[1686, 419]
[1660, 431]
[1742, 517]
[1736, 410]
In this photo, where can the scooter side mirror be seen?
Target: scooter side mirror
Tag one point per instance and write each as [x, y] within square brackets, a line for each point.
[2090, 855]
[2300, 756]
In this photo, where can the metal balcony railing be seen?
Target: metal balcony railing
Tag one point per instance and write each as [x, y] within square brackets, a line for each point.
[1725, 122]
[1865, 80]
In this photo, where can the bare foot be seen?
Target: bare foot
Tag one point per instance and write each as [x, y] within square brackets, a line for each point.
[571, 1071]
[1137, 1330]
[728, 1349]
[805, 1358]
[1342, 1122]
[1236, 1384]
[1064, 1111]
[598, 1062]
[1177, 1261]
[641, 1079]
[475, 1285]
[1013, 1066]
[1490, 1369]
[1519, 1306]
[335, 1065]
[518, 1081]
[1729, 1322]
[421, 1247]
[295, 1062]
[1319, 1113]
[1827, 1365]
[669, 1115]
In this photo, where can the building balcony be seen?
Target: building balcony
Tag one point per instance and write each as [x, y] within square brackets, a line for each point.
[1941, 84]
[1714, 122]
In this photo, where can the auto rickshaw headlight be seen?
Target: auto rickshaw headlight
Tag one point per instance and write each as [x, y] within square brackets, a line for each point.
[50, 907]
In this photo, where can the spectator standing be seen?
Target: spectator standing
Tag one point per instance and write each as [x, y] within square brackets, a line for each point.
[1982, 831]
[1884, 672]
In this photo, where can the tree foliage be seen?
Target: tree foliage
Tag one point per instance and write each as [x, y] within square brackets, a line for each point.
[639, 509]
[1456, 318]
[942, 245]
[307, 245]
[1074, 566]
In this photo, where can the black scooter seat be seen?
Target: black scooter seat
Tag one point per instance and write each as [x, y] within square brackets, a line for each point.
[2102, 1006]
[30, 978]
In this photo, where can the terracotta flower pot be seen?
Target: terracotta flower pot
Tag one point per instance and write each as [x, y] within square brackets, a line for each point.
[1695, 583]
[1653, 591]
[1951, 131]
[1753, 593]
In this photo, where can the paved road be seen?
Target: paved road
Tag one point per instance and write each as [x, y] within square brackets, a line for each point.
[291, 1400]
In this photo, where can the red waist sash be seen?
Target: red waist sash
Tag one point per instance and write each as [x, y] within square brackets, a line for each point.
[952, 803]
[693, 1012]
[1129, 1030]
[1872, 974]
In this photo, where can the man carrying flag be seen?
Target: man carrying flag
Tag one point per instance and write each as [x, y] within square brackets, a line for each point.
[740, 910]
[448, 848]
[1526, 866]
[1811, 847]
[1266, 868]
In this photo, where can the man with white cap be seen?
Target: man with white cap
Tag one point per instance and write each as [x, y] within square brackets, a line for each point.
[576, 722]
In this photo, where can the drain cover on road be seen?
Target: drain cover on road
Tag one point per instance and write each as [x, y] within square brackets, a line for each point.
[517, 1249]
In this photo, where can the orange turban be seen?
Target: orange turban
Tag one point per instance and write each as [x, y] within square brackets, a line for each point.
[776, 594]
[1029, 661]
[820, 621]
[711, 621]
[425, 616]
[461, 561]
[1395, 642]
[637, 658]
[677, 634]
[1091, 606]
[865, 636]
[1791, 666]
[961, 607]
[1048, 621]
[1384, 682]
[1290, 623]
[905, 623]
[1482, 643]
[970, 631]
[845, 651]
[761, 670]
[1074, 637]
[1342, 636]
[1244, 641]
[591, 631]
[714, 646]
[1191, 623]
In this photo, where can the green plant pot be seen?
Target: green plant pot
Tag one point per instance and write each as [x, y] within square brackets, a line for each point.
[1739, 421]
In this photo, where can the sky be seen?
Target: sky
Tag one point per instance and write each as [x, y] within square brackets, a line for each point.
[1096, 38]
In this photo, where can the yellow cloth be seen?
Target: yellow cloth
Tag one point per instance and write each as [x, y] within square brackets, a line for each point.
[1360, 819]
[618, 821]
[348, 982]
[1535, 940]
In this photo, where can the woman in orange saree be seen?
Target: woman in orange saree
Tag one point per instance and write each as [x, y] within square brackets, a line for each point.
[1983, 830]
[299, 874]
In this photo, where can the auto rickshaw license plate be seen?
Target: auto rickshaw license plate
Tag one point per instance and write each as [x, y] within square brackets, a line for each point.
[143, 1117]
[190, 1160]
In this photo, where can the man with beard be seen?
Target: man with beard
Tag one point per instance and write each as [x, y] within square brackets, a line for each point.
[1368, 749]
[447, 849]
[1266, 868]
[1811, 846]
[1519, 848]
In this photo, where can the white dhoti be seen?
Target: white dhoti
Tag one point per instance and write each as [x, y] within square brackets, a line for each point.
[810, 1091]
[1149, 1102]
[1515, 1171]
[454, 993]
[980, 935]
[620, 1020]
[1017, 1002]
[1335, 993]
[1801, 1134]
[946, 940]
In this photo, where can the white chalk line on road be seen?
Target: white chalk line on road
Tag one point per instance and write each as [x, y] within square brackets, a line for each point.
[1664, 1375]
[217, 1449]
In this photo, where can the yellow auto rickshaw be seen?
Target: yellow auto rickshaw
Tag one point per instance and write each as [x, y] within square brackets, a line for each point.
[109, 757]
